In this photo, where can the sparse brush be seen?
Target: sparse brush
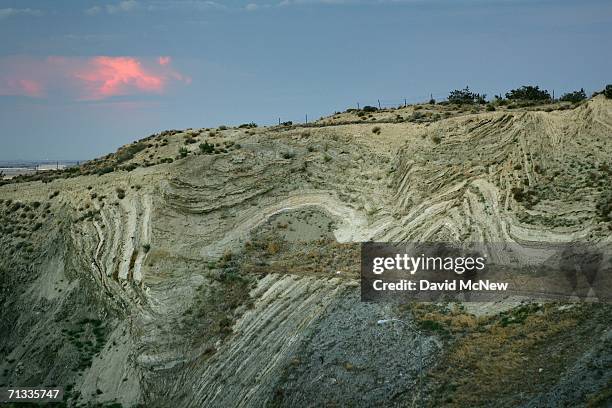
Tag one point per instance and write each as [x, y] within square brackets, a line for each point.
[288, 155]
[207, 148]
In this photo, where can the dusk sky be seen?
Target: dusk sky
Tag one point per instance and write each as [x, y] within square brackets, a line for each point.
[80, 78]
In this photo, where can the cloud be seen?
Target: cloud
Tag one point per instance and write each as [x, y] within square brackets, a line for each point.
[113, 8]
[21, 87]
[93, 10]
[110, 76]
[93, 78]
[198, 5]
[10, 12]
[121, 7]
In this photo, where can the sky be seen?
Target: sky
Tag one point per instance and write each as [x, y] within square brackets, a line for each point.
[80, 78]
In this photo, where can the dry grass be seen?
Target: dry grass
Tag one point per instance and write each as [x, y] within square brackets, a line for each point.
[489, 359]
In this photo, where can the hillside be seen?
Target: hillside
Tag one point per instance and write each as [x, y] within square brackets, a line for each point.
[220, 267]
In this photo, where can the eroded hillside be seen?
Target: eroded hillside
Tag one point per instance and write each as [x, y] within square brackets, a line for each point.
[219, 267]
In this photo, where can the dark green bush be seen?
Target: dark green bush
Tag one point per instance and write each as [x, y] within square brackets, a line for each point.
[128, 152]
[465, 96]
[288, 155]
[604, 206]
[207, 148]
[576, 96]
[528, 93]
[608, 91]
[105, 170]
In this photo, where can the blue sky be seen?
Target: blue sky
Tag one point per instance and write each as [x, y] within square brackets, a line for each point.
[80, 78]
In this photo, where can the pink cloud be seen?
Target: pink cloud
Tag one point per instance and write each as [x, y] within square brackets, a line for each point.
[22, 87]
[86, 78]
[110, 76]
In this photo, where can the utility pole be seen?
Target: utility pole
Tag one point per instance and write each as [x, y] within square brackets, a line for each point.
[378, 103]
[405, 103]
[306, 118]
[278, 121]
[357, 105]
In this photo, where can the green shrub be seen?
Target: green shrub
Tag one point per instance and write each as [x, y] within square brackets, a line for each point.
[129, 167]
[465, 96]
[376, 130]
[105, 170]
[120, 193]
[528, 93]
[608, 91]
[128, 152]
[576, 96]
[368, 108]
[222, 127]
[604, 206]
[207, 148]
[288, 155]
[183, 151]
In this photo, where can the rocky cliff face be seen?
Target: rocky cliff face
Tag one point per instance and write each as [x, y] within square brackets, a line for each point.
[229, 276]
